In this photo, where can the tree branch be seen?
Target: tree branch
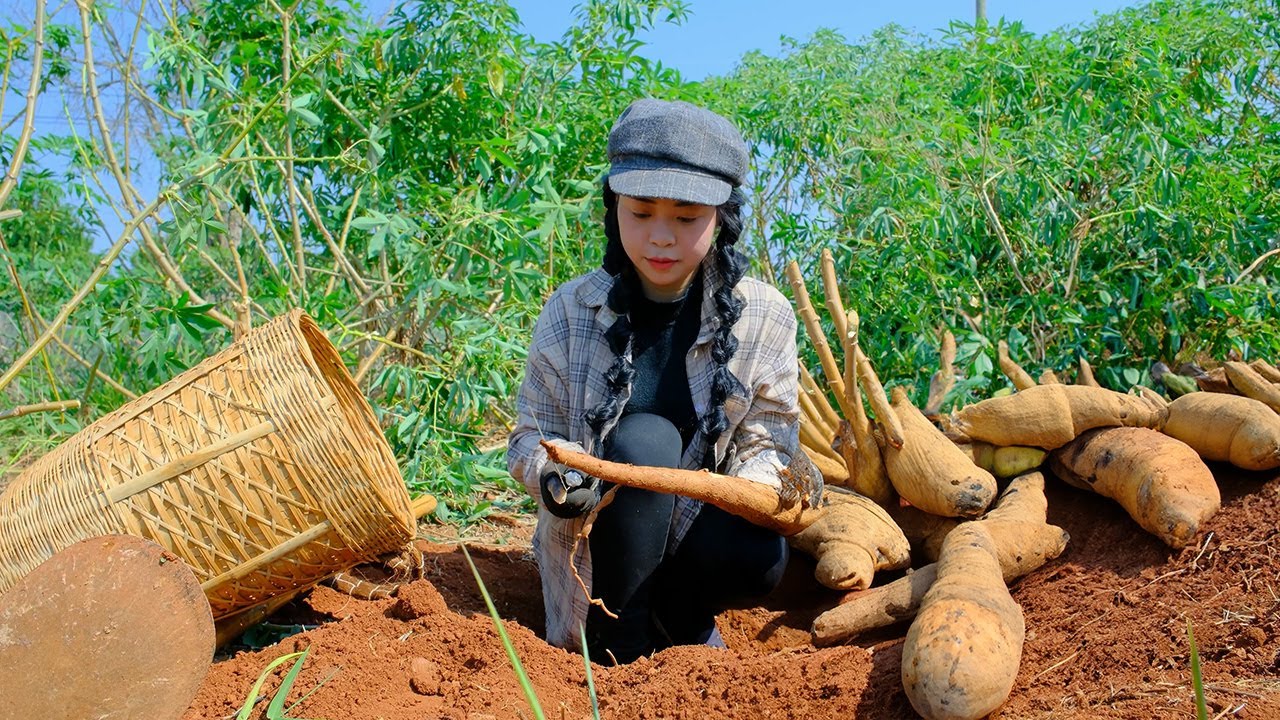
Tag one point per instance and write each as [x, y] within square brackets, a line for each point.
[19, 411]
[29, 119]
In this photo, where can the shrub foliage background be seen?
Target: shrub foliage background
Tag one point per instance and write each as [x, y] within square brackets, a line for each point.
[420, 184]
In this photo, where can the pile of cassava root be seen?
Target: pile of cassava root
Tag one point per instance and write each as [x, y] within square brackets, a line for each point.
[964, 492]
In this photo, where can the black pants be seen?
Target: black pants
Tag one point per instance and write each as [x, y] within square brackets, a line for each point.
[663, 600]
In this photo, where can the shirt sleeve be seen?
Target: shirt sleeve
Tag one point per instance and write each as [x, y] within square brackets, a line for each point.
[769, 433]
[542, 403]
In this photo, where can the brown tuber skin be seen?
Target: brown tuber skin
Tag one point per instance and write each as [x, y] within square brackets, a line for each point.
[1020, 378]
[1085, 376]
[1024, 542]
[1050, 416]
[851, 541]
[1159, 481]
[1226, 428]
[962, 653]
[1251, 384]
[930, 472]
[1266, 370]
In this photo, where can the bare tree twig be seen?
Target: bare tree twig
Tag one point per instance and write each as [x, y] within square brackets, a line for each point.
[346, 230]
[29, 312]
[1254, 265]
[104, 264]
[29, 118]
[19, 411]
[990, 211]
[291, 183]
[161, 257]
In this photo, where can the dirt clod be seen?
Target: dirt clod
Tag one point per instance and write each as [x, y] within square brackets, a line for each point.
[424, 676]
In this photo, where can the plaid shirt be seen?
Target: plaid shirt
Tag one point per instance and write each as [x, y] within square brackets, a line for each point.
[564, 378]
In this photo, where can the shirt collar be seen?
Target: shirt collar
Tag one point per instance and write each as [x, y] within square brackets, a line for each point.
[594, 293]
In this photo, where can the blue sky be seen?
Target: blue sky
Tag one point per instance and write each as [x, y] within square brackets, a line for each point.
[719, 32]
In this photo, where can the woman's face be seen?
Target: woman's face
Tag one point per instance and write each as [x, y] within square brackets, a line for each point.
[666, 240]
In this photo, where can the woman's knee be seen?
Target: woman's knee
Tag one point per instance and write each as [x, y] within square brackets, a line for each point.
[645, 439]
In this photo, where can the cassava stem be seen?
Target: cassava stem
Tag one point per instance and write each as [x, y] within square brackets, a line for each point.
[945, 379]
[804, 307]
[831, 290]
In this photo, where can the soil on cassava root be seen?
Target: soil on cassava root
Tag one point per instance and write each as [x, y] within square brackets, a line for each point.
[1106, 636]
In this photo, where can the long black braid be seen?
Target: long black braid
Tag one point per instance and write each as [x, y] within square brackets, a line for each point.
[731, 265]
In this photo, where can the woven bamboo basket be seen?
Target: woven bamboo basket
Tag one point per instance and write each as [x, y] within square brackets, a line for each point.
[262, 468]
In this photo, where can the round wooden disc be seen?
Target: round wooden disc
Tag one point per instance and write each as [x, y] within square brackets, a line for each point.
[113, 627]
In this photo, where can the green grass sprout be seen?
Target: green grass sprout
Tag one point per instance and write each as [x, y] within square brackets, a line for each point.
[516, 665]
[275, 710]
[591, 682]
[1197, 682]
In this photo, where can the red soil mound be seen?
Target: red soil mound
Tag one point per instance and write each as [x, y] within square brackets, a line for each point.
[1106, 638]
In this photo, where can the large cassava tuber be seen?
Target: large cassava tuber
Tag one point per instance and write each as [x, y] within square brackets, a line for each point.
[1024, 542]
[1226, 428]
[1266, 370]
[1050, 416]
[1161, 482]
[1251, 384]
[962, 653]
[758, 503]
[930, 472]
[852, 540]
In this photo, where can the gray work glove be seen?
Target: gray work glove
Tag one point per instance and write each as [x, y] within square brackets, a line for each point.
[569, 493]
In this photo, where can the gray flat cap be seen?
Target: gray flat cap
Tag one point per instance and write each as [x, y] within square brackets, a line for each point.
[676, 150]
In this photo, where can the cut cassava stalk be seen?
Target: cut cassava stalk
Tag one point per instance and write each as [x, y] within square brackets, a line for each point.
[962, 653]
[833, 472]
[815, 442]
[862, 455]
[1050, 416]
[930, 472]
[1226, 428]
[854, 539]
[1085, 376]
[809, 413]
[1012, 370]
[1266, 370]
[831, 291]
[804, 308]
[849, 343]
[890, 424]
[1161, 482]
[945, 378]
[1024, 543]
[753, 501]
[809, 387]
[1251, 384]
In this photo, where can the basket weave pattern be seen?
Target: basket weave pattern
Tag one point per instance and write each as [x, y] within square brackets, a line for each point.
[262, 468]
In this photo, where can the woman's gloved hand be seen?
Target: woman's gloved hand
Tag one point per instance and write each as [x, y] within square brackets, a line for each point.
[569, 493]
